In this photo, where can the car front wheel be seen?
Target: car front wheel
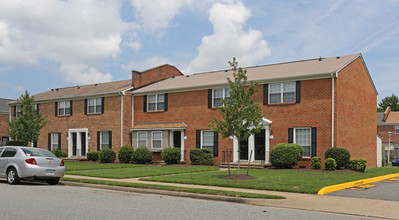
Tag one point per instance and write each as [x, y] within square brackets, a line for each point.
[53, 181]
[12, 176]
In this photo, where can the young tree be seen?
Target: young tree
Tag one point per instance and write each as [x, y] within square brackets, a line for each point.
[26, 126]
[391, 101]
[241, 115]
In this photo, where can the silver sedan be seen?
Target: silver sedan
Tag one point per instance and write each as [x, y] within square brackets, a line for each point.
[29, 163]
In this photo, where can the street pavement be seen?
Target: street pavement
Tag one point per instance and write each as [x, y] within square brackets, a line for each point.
[383, 190]
[41, 201]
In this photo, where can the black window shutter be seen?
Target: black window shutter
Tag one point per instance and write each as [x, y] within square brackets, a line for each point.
[98, 141]
[49, 141]
[70, 104]
[85, 108]
[37, 109]
[298, 91]
[314, 142]
[56, 109]
[166, 101]
[265, 94]
[198, 139]
[110, 138]
[145, 103]
[59, 141]
[209, 98]
[15, 110]
[215, 144]
[102, 104]
[290, 135]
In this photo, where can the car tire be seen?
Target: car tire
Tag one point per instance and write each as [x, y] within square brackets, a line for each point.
[12, 176]
[53, 181]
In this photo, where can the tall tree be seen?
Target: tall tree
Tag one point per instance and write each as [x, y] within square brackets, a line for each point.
[391, 101]
[241, 114]
[26, 126]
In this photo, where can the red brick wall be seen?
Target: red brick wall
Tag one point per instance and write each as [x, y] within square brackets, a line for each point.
[154, 74]
[355, 113]
[192, 109]
[3, 125]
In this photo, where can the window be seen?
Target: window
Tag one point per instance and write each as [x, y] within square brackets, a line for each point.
[19, 111]
[4, 140]
[156, 102]
[104, 139]
[207, 140]
[303, 137]
[218, 95]
[95, 105]
[54, 141]
[36, 109]
[282, 93]
[157, 139]
[141, 139]
[9, 152]
[64, 108]
[396, 129]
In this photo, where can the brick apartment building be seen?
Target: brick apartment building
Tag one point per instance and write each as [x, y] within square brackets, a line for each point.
[388, 121]
[4, 115]
[316, 103]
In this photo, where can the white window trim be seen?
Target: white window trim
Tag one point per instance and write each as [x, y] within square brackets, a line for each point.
[281, 92]
[223, 96]
[396, 129]
[156, 103]
[202, 138]
[52, 141]
[146, 144]
[101, 139]
[152, 140]
[95, 105]
[59, 107]
[310, 128]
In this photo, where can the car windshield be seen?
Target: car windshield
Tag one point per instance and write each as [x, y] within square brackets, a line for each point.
[36, 152]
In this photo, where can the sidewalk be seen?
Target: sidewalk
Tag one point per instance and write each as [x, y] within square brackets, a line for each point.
[322, 203]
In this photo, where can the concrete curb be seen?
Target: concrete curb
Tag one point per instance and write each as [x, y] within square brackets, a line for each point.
[342, 186]
[161, 192]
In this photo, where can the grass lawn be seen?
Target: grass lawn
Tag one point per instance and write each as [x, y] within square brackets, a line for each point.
[120, 171]
[174, 188]
[277, 180]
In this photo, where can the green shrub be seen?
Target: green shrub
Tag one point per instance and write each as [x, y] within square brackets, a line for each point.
[142, 155]
[92, 155]
[340, 155]
[58, 153]
[107, 155]
[358, 165]
[201, 156]
[171, 155]
[330, 164]
[316, 163]
[16, 143]
[125, 154]
[285, 155]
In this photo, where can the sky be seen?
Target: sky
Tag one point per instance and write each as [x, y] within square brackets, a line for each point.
[47, 44]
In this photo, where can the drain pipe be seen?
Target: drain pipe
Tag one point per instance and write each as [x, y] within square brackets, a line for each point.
[332, 109]
[122, 94]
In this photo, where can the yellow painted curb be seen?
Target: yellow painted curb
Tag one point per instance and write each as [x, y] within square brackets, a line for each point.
[333, 188]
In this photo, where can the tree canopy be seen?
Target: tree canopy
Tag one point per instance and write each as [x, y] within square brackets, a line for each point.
[391, 101]
[26, 125]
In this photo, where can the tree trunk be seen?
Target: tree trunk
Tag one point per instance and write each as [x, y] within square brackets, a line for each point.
[239, 152]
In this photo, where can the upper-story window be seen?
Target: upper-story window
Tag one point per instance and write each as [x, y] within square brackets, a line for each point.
[218, 95]
[282, 92]
[156, 102]
[396, 129]
[64, 108]
[36, 109]
[95, 105]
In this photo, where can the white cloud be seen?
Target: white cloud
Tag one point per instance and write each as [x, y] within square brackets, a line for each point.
[19, 88]
[148, 63]
[3, 84]
[229, 39]
[82, 74]
[72, 31]
[136, 45]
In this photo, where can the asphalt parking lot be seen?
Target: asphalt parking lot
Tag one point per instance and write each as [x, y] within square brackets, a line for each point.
[384, 190]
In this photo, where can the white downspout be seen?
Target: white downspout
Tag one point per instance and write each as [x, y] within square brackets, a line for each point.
[132, 109]
[332, 111]
[122, 118]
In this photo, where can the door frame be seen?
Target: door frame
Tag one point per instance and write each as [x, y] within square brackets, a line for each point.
[251, 143]
[171, 142]
[78, 141]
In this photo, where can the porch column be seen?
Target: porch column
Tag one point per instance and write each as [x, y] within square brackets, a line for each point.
[267, 144]
[251, 147]
[182, 145]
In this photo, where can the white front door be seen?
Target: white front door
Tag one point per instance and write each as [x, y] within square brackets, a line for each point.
[78, 142]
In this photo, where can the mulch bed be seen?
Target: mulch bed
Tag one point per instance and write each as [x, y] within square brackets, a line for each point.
[239, 177]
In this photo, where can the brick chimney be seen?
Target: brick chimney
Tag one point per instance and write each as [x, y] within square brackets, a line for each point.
[155, 74]
[386, 114]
